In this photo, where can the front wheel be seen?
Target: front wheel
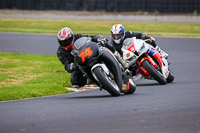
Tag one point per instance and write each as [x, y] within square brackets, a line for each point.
[106, 81]
[154, 73]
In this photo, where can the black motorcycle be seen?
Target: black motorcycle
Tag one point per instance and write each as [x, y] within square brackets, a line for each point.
[99, 65]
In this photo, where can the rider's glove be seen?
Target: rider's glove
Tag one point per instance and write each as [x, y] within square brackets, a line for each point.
[144, 36]
[148, 39]
[70, 67]
[102, 41]
[153, 39]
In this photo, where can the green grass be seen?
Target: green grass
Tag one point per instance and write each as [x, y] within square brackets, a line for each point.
[26, 76]
[98, 27]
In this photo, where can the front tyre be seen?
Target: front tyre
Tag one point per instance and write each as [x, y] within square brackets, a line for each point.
[106, 81]
[154, 73]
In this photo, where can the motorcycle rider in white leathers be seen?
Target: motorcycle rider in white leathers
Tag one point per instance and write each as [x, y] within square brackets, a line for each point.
[119, 34]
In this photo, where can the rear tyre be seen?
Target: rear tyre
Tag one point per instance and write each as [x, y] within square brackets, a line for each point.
[154, 73]
[132, 87]
[131, 90]
[170, 78]
[107, 82]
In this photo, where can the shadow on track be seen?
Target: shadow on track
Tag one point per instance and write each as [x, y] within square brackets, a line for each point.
[99, 96]
[87, 97]
[147, 84]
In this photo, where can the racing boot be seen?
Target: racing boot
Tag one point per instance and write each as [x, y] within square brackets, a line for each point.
[76, 86]
[90, 82]
[121, 60]
[162, 53]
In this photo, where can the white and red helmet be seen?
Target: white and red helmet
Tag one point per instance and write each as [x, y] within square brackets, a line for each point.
[117, 32]
[65, 38]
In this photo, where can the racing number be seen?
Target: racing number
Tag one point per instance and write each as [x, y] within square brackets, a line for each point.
[84, 53]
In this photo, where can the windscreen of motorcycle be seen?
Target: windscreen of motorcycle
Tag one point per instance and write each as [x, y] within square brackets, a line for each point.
[127, 43]
[81, 41]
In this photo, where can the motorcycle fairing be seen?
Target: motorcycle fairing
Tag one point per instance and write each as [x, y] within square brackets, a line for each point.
[113, 66]
[153, 52]
[86, 53]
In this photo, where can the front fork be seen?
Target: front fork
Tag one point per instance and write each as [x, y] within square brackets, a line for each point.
[141, 69]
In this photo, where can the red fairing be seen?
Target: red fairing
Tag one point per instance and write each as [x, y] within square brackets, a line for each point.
[143, 59]
[131, 48]
[159, 58]
[152, 62]
[142, 70]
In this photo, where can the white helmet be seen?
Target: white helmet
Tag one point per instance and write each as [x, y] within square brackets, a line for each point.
[117, 32]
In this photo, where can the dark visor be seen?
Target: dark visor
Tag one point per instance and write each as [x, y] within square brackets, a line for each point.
[66, 43]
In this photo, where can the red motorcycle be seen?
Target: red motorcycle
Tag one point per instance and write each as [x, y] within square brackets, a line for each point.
[146, 60]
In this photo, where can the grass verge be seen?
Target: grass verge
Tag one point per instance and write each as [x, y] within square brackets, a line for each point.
[26, 76]
[98, 27]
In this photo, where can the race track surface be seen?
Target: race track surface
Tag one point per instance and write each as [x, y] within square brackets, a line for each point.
[171, 108]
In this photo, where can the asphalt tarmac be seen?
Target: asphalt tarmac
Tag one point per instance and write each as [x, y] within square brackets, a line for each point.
[154, 108]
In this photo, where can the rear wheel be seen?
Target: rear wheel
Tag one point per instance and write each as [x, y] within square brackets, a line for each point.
[170, 78]
[131, 90]
[131, 87]
[154, 73]
[107, 82]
